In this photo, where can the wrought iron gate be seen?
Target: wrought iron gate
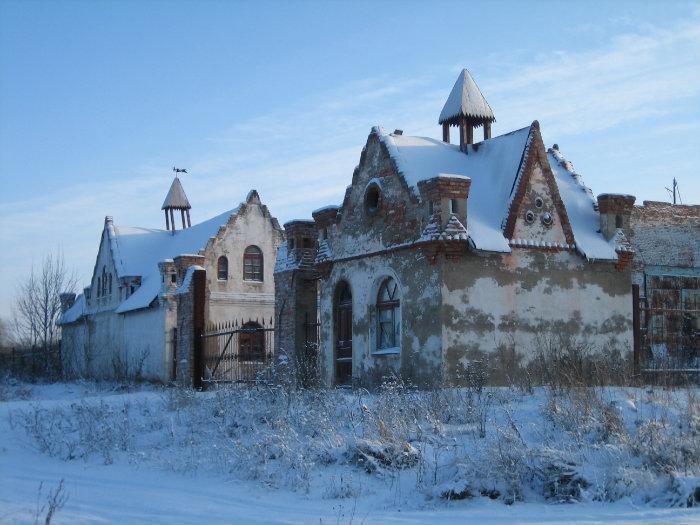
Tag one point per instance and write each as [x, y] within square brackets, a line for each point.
[236, 352]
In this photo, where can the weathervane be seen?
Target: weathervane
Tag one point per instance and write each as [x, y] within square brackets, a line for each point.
[179, 170]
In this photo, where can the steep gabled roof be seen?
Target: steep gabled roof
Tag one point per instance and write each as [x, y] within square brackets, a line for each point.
[466, 100]
[492, 165]
[495, 167]
[176, 197]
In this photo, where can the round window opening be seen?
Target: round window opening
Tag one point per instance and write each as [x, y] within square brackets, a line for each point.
[372, 198]
[529, 216]
[547, 219]
[539, 202]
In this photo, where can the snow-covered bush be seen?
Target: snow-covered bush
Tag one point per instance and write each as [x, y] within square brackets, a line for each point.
[555, 444]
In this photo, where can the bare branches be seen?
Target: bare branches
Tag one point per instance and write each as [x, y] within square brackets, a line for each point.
[38, 305]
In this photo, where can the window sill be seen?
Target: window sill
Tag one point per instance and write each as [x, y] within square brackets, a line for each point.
[253, 281]
[387, 351]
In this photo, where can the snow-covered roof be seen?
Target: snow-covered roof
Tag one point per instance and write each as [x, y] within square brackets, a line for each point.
[137, 251]
[466, 100]
[176, 197]
[495, 167]
[580, 207]
[492, 165]
[75, 312]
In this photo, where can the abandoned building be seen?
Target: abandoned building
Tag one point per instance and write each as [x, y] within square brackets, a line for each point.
[444, 254]
[154, 290]
[666, 285]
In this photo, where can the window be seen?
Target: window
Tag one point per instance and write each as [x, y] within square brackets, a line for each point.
[618, 221]
[110, 283]
[547, 218]
[431, 207]
[251, 342]
[529, 216]
[539, 202]
[291, 244]
[372, 198]
[99, 286]
[222, 268]
[173, 278]
[453, 205]
[306, 243]
[253, 264]
[388, 315]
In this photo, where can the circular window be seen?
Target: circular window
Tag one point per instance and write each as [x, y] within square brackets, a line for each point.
[372, 198]
[529, 216]
[539, 202]
[547, 219]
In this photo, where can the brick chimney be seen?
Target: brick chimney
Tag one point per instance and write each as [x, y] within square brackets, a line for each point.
[615, 211]
[184, 261]
[168, 275]
[301, 241]
[67, 300]
[446, 195]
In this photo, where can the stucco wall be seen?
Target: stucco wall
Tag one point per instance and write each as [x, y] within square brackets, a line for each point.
[237, 298]
[419, 355]
[517, 301]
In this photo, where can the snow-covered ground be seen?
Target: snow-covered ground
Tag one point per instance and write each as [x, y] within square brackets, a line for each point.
[151, 455]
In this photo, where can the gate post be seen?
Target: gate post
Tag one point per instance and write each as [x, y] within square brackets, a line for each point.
[191, 302]
[636, 328]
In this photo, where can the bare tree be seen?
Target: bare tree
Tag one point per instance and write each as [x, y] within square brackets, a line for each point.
[38, 304]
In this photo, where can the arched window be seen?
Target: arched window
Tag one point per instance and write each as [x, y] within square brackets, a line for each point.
[253, 264]
[251, 342]
[222, 268]
[388, 317]
[372, 197]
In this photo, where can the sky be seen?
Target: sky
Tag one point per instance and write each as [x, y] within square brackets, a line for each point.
[100, 99]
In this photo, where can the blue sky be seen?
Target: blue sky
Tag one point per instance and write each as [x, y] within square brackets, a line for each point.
[98, 100]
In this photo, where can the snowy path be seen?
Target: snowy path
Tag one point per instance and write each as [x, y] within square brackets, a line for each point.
[125, 494]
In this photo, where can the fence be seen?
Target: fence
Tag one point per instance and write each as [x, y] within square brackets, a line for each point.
[32, 363]
[236, 352]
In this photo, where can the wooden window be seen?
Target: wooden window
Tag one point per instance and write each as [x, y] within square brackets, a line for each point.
[251, 342]
[222, 268]
[388, 317]
[253, 264]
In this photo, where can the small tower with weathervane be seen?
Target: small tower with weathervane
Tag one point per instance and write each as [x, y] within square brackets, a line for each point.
[176, 200]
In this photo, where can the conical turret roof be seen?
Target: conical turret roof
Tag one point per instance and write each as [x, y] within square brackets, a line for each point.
[176, 197]
[466, 100]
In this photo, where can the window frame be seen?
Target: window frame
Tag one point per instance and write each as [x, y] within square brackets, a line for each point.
[222, 268]
[388, 314]
[250, 257]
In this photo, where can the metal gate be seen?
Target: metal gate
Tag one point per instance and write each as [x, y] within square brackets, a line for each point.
[236, 352]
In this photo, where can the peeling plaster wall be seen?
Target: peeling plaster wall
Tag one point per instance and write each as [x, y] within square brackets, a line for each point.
[419, 357]
[466, 305]
[513, 299]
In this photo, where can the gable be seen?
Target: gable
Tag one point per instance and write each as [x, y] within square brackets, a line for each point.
[537, 217]
[537, 211]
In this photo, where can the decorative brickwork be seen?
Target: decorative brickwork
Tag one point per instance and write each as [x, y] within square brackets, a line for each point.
[536, 154]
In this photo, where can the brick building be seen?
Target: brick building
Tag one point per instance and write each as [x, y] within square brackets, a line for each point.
[442, 256]
[666, 272]
[136, 316]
